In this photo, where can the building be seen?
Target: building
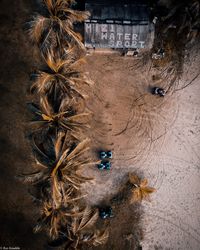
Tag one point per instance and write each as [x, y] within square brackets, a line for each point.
[118, 25]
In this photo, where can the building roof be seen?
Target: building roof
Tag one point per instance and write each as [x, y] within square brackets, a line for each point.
[105, 10]
[118, 24]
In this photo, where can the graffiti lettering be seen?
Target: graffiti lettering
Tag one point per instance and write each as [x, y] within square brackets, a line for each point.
[113, 36]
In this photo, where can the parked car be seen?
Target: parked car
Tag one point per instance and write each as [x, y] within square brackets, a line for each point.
[104, 165]
[158, 91]
[104, 154]
[105, 212]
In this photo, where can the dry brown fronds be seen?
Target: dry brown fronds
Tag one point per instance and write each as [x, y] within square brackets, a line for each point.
[54, 219]
[184, 18]
[66, 119]
[86, 220]
[67, 165]
[59, 178]
[57, 29]
[62, 9]
[70, 160]
[82, 232]
[141, 190]
[64, 78]
[58, 173]
[51, 220]
[95, 238]
[60, 156]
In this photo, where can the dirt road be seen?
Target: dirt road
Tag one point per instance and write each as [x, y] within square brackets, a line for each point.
[155, 137]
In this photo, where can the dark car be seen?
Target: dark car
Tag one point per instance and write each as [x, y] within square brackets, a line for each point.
[104, 165]
[158, 91]
[105, 212]
[104, 154]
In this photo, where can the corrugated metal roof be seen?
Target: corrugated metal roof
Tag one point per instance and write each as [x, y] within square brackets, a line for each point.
[118, 25]
[118, 11]
[103, 2]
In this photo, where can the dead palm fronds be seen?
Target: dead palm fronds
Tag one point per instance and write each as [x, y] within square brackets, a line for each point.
[141, 190]
[66, 119]
[90, 238]
[95, 238]
[70, 161]
[58, 176]
[176, 29]
[64, 78]
[61, 170]
[87, 219]
[54, 219]
[51, 220]
[80, 231]
[184, 18]
[60, 156]
[57, 26]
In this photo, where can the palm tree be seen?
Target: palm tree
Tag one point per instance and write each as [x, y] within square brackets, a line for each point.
[69, 161]
[57, 28]
[66, 119]
[80, 231]
[75, 229]
[95, 238]
[184, 16]
[51, 219]
[54, 219]
[60, 170]
[63, 78]
[141, 190]
[60, 182]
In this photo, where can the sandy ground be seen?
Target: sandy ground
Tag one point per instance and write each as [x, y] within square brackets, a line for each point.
[171, 221]
[154, 137]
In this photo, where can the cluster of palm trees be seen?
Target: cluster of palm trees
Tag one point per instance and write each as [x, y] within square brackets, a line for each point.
[184, 17]
[58, 129]
[177, 30]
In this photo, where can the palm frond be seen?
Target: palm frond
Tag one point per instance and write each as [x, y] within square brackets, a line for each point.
[79, 150]
[143, 183]
[58, 144]
[47, 32]
[33, 177]
[141, 190]
[39, 152]
[95, 239]
[43, 82]
[50, 6]
[57, 194]
[134, 179]
[137, 195]
[52, 219]
[76, 16]
[37, 27]
[65, 78]
[47, 110]
[87, 219]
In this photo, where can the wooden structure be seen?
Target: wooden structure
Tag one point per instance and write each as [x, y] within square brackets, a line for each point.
[118, 25]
